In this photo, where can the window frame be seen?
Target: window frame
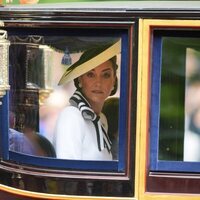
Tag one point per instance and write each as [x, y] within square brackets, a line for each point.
[155, 163]
[105, 171]
[155, 180]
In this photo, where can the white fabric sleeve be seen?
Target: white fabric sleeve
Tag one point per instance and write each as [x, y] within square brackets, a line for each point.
[69, 133]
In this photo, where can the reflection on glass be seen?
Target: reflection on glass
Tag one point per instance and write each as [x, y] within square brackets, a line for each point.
[37, 64]
[179, 136]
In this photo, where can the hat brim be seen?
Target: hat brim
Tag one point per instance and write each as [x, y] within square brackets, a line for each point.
[90, 64]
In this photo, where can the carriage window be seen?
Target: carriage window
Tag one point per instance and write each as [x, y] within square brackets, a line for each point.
[51, 76]
[179, 137]
[65, 85]
[177, 60]
[36, 98]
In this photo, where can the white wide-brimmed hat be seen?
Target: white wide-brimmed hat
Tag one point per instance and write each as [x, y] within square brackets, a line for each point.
[90, 59]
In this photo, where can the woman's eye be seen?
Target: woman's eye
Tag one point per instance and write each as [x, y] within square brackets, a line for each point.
[90, 74]
[106, 75]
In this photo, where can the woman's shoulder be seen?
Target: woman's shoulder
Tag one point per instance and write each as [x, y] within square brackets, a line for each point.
[70, 108]
[71, 111]
[70, 118]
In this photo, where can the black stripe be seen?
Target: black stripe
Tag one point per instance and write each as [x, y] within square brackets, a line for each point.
[82, 98]
[75, 99]
[106, 135]
[97, 132]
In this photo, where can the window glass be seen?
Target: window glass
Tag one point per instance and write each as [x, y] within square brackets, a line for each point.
[38, 58]
[179, 123]
[36, 100]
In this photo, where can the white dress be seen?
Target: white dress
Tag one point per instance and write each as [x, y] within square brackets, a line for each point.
[75, 137]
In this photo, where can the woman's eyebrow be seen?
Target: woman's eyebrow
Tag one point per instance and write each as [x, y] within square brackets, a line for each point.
[107, 69]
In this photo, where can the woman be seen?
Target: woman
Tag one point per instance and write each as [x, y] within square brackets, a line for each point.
[81, 130]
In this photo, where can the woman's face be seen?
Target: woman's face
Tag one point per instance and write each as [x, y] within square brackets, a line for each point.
[98, 83]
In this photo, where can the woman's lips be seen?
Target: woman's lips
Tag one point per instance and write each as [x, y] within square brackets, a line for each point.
[97, 92]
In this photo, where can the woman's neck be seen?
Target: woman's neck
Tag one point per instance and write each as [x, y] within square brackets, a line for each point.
[96, 107]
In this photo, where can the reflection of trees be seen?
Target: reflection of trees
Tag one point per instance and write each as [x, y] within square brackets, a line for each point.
[172, 101]
[192, 106]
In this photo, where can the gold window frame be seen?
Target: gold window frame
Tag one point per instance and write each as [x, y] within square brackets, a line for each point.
[143, 104]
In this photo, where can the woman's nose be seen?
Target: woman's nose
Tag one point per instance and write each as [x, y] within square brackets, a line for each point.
[98, 80]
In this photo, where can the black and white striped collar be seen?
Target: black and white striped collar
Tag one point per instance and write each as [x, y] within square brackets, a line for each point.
[79, 101]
